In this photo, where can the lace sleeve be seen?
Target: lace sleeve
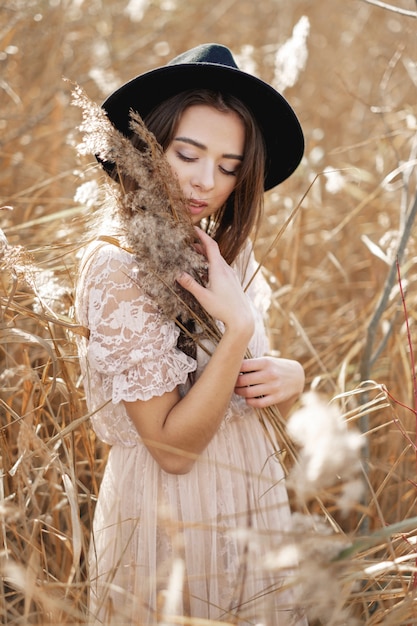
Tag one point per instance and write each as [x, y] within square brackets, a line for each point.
[131, 345]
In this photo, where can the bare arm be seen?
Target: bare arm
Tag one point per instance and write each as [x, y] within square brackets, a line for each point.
[169, 422]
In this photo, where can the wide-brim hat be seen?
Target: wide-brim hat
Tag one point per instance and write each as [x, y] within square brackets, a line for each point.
[212, 66]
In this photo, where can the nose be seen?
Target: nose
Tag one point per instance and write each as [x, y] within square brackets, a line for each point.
[203, 177]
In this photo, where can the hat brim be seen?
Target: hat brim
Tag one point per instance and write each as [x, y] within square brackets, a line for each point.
[278, 123]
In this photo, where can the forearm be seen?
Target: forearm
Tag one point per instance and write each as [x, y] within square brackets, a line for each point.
[202, 409]
[188, 424]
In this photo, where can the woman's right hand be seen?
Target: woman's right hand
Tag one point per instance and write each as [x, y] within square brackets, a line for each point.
[223, 297]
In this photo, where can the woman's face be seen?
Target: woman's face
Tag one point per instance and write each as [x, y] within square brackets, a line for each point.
[205, 154]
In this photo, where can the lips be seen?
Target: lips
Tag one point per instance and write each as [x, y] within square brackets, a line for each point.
[196, 206]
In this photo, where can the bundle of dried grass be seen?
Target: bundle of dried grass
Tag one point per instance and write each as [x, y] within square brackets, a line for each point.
[150, 206]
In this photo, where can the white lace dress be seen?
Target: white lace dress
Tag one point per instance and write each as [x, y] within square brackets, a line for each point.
[202, 535]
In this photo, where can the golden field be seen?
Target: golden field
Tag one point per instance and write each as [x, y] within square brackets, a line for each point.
[338, 244]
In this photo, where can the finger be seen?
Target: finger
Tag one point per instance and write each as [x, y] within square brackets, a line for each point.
[250, 378]
[210, 246]
[254, 398]
[201, 233]
[251, 365]
[242, 381]
[251, 391]
[260, 402]
[190, 284]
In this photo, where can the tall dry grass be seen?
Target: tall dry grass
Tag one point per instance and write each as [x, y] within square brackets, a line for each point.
[337, 298]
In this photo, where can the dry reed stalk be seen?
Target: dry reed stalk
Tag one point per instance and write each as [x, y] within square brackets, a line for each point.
[45, 528]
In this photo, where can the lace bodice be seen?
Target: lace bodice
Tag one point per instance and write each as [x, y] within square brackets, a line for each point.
[131, 352]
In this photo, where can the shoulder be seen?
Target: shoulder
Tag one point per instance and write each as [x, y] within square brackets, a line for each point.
[105, 256]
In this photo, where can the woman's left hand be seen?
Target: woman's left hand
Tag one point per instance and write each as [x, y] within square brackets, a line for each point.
[270, 380]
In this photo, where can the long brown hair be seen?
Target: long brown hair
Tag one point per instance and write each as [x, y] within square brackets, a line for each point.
[241, 214]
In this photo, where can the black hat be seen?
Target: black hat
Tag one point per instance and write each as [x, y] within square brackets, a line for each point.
[212, 66]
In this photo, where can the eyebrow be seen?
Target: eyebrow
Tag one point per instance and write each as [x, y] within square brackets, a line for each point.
[197, 144]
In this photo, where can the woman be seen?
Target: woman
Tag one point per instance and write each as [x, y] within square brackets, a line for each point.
[192, 497]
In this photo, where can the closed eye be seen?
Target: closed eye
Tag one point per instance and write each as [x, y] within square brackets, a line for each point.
[228, 172]
[184, 157]
[189, 159]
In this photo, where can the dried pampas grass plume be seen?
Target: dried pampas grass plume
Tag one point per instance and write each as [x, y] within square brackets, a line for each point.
[151, 209]
[330, 452]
